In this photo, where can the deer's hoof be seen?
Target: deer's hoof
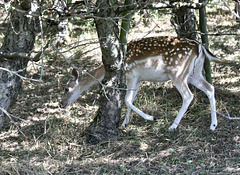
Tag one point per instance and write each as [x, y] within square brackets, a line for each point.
[213, 127]
[124, 125]
[173, 127]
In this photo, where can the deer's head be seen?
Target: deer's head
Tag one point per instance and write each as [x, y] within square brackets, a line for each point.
[77, 85]
[72, 90]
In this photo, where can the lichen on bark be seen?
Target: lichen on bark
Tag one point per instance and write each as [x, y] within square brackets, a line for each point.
[19, 38]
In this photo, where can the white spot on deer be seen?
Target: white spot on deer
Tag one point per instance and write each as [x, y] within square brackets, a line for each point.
[179, 55]
[176, 62]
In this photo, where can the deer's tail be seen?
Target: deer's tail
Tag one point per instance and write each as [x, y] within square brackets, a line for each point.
[210, 56]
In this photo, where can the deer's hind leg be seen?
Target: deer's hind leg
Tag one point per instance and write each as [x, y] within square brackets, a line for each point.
[200, 83]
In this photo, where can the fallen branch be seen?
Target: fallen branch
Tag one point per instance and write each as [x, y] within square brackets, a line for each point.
[12, 121]
[228, 115]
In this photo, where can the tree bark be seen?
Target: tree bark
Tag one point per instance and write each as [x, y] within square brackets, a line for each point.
[19, 38]
[184, 21]
[203, 29]
[62, 32]
[106, 122]
[127, 15]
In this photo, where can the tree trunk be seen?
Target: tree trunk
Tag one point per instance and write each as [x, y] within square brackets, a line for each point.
[62, 32]
[125, 28]
[184, 21]
[19, 38]
[203, 29]
[105, 125]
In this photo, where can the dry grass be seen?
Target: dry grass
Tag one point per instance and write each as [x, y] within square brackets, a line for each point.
[55, 142]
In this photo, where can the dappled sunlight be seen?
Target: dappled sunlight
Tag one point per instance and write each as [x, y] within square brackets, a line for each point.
[45, 139]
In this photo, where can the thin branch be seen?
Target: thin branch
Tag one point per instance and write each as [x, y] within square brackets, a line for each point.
[235, 14]
[42, 47]
[220, 34]
[89, 13]
[14, 55]
[12, 121]
[79, 45]
[80, 55]
[73, 66]
[228, 116]
[22, 77]
[157, 6]
[6, 6]
[39, 53]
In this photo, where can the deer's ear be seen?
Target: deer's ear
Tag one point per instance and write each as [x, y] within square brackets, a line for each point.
[74, 74]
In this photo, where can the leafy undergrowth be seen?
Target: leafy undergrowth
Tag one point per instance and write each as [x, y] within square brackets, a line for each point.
[50, 140]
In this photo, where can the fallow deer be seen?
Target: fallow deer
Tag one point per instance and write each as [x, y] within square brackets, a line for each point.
[156, 59]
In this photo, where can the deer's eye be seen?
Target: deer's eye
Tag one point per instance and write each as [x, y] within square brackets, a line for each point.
[66, 89]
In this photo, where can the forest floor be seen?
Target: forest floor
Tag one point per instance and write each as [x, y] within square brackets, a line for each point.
[50, 140]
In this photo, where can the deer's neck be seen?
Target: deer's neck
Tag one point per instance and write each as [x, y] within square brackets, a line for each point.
[87, 82]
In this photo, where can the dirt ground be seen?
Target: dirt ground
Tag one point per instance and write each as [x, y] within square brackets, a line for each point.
[44, 139]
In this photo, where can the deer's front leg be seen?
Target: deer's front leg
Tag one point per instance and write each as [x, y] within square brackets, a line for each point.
[187, 97]
[127, 118]
[132, 85]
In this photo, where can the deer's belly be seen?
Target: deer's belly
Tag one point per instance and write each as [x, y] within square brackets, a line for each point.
[153, 75]
[149, 69]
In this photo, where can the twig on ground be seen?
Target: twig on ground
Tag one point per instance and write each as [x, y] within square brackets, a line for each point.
[12, 121]
[228, 116]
